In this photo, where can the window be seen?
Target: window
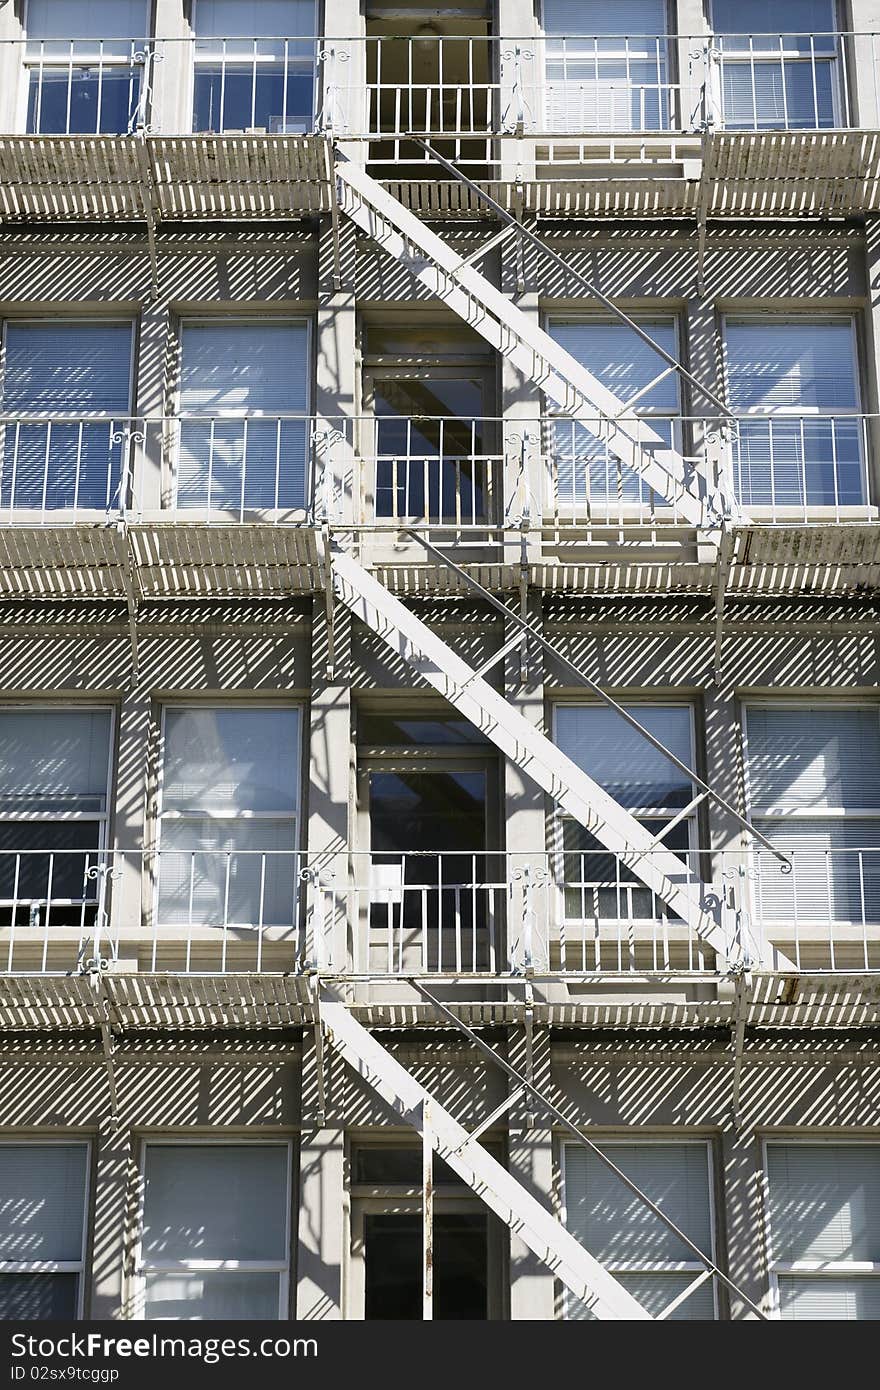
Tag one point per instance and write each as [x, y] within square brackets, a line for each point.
[606, 66]
[388, 1246]
[620, 1231]
[254, 65]
[84, 61]
[598, 740]
[793, 385]
[215, 1240]
[823, 1204]
[230, 804]
[813, 780]
[43, 1191]
[54, 771]
[783, 80]
[584, 471]
[67, 387]
[244, 390]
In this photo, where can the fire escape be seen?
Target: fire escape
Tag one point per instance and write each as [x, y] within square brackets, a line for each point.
[151, 179]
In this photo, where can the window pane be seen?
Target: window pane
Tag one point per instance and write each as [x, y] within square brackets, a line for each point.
[215, 1202]
[216, 872]
[839, 1298]
[42, 1201]
[824, 1201]
[808, 366]
[212, 1295]
[813, 758]
[785, 17]
[87, 19]
[835, 875]
[67, 368]
[53, 761]
[416, 731]
[616, 1226]
[225, 761]
[38, 1297]
[244, 366]
[621, 760]
[242, 464]
[621, 360]
[254, 18]
[596, 17]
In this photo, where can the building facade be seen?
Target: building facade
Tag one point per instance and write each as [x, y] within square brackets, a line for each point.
[439, 659]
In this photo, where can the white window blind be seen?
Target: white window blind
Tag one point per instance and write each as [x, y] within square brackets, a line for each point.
[805, 366]
[824, 1208]
[243, 369]
[254, 19]
[814, 758]
[86, 19]
[595, 17]
[229, 816]
[814, 790]
[584, 470]
[42, 1221]
[67, 368]
[215, 1203]
[623, 1234]
[54, 761]
[624, 763]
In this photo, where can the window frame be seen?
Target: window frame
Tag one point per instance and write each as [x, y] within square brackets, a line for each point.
[288, 63]
[77, 1267]
[235, 412]
[551, 415]
[782, 58]
[558, 817]
[694, 1267]
[780, 815]
[141, 1267]
[800, 412]
[103, 819]
[816, 1269]
[298, 818]
[663, 60]
[70, 65]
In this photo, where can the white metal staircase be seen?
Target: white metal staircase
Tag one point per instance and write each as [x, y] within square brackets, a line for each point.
[614, 827]
[587, 1279]
[563, 380]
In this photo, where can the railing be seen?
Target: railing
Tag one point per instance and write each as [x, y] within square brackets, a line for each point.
[568, 911]
[386, 88]
[469, 476]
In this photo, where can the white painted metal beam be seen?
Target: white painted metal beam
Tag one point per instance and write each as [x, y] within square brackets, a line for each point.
[546, 1237]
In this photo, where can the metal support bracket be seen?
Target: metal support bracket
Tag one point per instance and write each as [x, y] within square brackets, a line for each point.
[741, 999]
[334, 217]
[318, 1034]
[722, 574]
[128, 571]
[150, 205]
[329, 604]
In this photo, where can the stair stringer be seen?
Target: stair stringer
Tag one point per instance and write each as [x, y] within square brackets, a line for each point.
[544, 1235]
[562, 379]
[612, 825]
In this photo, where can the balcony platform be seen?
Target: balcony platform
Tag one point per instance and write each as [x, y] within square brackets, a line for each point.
[175, 558]
[724, 174]
[125, 178]
[36, 1003]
